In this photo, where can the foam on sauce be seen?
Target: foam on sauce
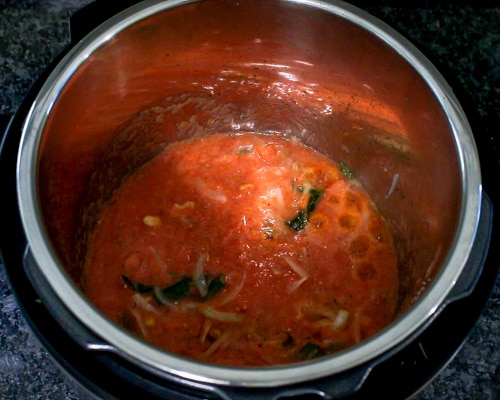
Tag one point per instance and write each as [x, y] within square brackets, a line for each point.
[244, 250]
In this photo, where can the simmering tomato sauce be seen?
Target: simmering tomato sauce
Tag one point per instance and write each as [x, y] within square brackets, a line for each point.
[244, 250]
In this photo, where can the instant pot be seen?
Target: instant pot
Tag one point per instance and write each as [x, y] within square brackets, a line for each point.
[63, 117]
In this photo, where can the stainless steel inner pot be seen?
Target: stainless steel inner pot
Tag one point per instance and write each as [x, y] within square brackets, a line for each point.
[324, 71]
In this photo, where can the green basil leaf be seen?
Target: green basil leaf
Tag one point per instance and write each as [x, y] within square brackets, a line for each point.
[345, 170]
[215, 286]
[178, 290]
[302, 219]
[310, 351]
[138, 287]
[313, 200]
[299, 222]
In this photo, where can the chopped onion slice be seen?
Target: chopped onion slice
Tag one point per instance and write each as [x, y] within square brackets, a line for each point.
[296, 284]
[199, 278]
[235, 291]
[317, 312]
[217, 343]
[207, 324]
[296, 267]
[163, 299]
[336, 321]
[301, 272]
[160, 262]
[395, 180]
[274, 193]
[140, 324]
[143, 303]
[341, 319]
[208, 192]
[219, 315]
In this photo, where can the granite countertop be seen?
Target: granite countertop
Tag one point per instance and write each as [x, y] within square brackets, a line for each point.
[462, 38]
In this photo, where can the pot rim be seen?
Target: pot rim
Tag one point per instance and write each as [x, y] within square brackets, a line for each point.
[136, 350]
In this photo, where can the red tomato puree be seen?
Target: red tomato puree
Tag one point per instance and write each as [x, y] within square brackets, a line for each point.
[243, 250]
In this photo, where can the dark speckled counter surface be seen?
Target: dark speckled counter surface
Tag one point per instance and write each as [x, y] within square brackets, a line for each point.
[461, 38]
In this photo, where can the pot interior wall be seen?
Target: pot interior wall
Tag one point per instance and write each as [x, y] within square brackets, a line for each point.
[269, 66]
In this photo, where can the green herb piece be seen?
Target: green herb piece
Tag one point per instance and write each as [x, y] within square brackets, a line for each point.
[313, 200]
[345, 170]
[178, 290]
[310, 351]
[215, 286]
[302, 219]
[138, 287]
[299, 222]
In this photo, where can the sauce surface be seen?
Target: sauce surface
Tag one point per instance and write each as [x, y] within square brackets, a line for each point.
[243, 250]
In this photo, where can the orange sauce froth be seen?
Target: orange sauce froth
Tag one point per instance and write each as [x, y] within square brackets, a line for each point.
[243, 250]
